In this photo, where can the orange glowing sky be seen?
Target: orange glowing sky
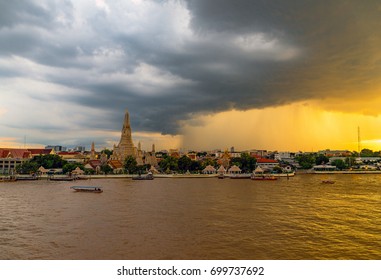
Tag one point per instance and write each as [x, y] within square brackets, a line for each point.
[295, 127]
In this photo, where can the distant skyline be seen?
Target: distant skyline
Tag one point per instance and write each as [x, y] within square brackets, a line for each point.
[194, 74]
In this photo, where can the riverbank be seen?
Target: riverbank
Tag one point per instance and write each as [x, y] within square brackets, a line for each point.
[308, 172]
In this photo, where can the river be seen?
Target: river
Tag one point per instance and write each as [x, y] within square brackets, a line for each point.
[193, 219]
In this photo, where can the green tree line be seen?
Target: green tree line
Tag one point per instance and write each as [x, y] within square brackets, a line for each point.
[185, 164]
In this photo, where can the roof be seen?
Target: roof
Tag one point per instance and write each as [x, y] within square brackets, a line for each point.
[258, 170]
[42, 169]
[266, 160]
[78, 171]
[95, 163]
[115, 164]
[221, 169]
[15, 153]
[68, 153]
[153, 170]
[234, 168]
[209, 168]
[4, 153]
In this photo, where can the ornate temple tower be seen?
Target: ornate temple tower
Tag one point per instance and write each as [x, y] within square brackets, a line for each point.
[92, 154]
[125, 147]
[139, 155]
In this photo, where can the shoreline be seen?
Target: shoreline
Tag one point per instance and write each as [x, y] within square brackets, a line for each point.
[202, 176]
[337, 172]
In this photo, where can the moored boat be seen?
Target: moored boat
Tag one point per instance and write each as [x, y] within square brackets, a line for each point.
[87, 189]
[81, 178]
[263, 177]
[26, 177]
[149, 176]
[289, 174]
[240, 176]
[7, 179]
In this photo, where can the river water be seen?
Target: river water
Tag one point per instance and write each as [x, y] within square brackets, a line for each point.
[299, 218]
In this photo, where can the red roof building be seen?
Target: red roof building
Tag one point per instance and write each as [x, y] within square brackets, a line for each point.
[10, 158]
[266, 163]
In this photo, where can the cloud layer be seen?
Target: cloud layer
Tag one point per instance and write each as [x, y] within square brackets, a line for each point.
[66, 65]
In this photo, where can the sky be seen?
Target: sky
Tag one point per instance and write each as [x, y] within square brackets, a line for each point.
[294, 75]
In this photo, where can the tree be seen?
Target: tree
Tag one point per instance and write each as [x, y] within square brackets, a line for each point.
[184, 163]
[130, 165]
[27, 167]
[196, 166]
[366, 153]
[277, 169]
[107, 152]
[339, 163]
[69, 167]
[236, 161]
[169, 163]
[49, 161]
[207, 161]
[201, 154]
[350, 161]
[89, 171]
[248, 163]
[321, 159]
[306, 161]
[106, 169]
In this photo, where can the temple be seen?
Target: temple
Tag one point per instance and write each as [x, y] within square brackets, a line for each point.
[125, 147]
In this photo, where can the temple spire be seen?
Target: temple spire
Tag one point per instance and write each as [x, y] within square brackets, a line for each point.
[92, 154]
[125, 147]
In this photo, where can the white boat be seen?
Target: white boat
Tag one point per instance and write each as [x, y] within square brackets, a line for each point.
[240, 176]
[290, 174]
[26, 177]
[148, 176]
[87, 189]
[263, 177]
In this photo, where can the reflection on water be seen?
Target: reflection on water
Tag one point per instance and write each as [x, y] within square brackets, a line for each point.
[300, 218]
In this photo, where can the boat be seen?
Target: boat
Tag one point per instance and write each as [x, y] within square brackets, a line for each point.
[7, 179]
[288, 174]
[260, 175]
[149, 176]
[87, 189]
[263, 177]
[240, 176]
[328, 182]
[26, 177]
[82, 178]
[221, 176]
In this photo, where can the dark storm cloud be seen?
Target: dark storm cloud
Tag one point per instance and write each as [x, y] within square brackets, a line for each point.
[335, 36]
[22, 12]
[233, 55]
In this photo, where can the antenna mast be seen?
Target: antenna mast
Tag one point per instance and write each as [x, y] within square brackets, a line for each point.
[358, 140]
